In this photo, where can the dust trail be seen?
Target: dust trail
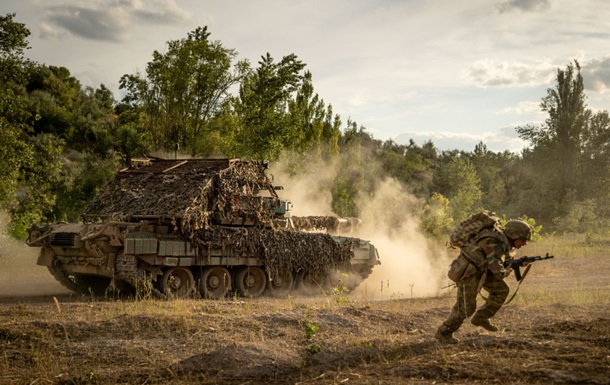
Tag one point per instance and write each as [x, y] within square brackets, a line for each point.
[19, 273]
[411, 266]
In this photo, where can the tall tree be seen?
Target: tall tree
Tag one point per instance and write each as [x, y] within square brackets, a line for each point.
[596, 160]
[183, 89]
[307, 114]
[13, 43]
[15, 117]
[262, 107]
[559, 138]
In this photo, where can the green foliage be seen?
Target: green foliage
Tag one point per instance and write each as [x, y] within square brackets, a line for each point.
[13, 43]
[436, 219]
[344, 199]
[581, 218]
[13, 36]
[556, 155]
[313, 349]
[15, 150]
[60, 142]
[409, 164]
[340, 292]
[459, 182]
[310, 328]
[183, 90]
[39, 178]
[266, 128]
[491, 168]
[82, 178]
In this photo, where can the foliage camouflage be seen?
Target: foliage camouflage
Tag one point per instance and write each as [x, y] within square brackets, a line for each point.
[194, 193]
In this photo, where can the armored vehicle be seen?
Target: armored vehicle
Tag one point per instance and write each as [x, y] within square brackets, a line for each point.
[212, 227]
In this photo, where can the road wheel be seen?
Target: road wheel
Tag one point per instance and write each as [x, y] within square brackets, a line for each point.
[177, 282]
[250, 281]
[311, 283]
[215, 282]
[281, 284]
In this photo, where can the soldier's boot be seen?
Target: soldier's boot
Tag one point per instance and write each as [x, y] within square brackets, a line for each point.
[484, 323]
[445, 336]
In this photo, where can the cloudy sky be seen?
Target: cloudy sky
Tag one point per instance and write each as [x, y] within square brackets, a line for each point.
[455, 72]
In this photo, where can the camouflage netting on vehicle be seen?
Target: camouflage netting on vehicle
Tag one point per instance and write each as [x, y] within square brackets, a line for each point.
[189, 193]
[279, 249]
[316, 223]
[329, 224]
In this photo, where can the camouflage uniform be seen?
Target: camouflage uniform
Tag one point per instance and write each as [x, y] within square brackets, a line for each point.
[487, 253]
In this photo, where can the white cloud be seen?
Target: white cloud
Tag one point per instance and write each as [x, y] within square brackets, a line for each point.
[108, 21]
[164, 11]
[491, 73]
[505, 6]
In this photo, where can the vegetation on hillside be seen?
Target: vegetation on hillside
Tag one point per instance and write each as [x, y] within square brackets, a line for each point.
[60, 142]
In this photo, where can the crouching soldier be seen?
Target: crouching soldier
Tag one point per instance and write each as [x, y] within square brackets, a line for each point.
[485, 254]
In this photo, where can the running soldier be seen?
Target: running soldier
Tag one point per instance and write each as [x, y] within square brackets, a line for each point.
[485, 254]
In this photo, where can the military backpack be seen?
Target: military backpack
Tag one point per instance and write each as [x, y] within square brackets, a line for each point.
[470, 227]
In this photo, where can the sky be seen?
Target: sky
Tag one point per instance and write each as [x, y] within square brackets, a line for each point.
[454, 72]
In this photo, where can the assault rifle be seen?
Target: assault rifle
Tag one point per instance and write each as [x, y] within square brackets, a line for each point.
[517, 263]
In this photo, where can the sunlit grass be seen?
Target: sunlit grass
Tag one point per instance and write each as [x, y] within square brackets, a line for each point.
[575, 294]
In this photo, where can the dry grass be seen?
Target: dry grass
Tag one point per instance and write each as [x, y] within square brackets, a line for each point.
[557, 331]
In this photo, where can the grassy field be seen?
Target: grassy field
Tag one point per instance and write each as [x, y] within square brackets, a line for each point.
[556, 331]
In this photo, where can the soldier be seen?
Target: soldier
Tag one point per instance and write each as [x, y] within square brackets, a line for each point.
[486, 253]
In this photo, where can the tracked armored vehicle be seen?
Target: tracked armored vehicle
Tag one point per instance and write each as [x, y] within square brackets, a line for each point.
[200, 227]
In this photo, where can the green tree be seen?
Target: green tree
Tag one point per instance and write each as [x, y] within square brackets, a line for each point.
[358, 170]
[262, 107]
[13, 43]
[183, 90]
[409, 164]
[81, 179]
[307, 113]
[331, 131]
[596, 160]
[459, 182]
[15, 118]
[14, 148]
[40, 178]
[436, 219]
[556, 144]
[493, 171]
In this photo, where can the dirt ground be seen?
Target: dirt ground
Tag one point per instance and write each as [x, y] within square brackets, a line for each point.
[556, 331]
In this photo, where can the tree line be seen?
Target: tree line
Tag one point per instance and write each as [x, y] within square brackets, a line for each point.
[61, 142]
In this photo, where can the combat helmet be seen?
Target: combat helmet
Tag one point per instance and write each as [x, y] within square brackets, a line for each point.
[515, 229]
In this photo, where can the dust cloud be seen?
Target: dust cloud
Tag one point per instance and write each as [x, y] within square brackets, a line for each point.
[19, 273]
[411, 265]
